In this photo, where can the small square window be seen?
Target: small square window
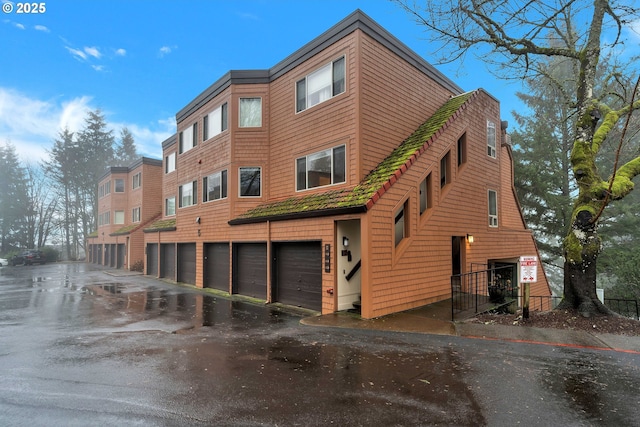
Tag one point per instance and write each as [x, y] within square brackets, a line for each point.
[250, 113]
[118, 217]
[119, 185]
[250, 185]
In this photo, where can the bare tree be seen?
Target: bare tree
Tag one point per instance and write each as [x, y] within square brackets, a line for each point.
[517, 36]
[42, 206]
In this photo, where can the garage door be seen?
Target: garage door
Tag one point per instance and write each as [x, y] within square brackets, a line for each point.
[187, 263]
[121, 254]
[216, 266]
[168, 261]
[152, 259]
[298, 274]
[250, 269]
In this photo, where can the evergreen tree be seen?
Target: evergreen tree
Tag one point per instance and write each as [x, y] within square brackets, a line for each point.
[126, 152]
[13, 200]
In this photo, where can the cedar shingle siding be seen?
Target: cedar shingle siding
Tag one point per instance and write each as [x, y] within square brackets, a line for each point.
[397, 118]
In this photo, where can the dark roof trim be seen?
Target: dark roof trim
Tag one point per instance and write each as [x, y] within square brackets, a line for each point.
[145, 161]
[356, 20]
[154, 230]
[301, 215]
[169, 141]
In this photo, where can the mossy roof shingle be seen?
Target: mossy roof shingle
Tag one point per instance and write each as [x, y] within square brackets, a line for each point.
[161, 225]
[375, 184]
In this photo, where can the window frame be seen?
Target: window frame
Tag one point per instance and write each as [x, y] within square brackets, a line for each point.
[337, 85]
[193, 131]
[208, 121]
[115, 217]
[401, 214]
[492, 140]
[170, 162]
[194, 194]
[223, 176]
[135, 214]
[332, 154]
[425, 194]
[462, 150]
[115, 186]
[240, 170]
[493, 217]
[445, 170]
[241, 116]
[166, 206]
[136, 181]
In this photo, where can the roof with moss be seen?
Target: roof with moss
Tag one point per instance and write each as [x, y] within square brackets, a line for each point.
[364, 195]
[162, 225]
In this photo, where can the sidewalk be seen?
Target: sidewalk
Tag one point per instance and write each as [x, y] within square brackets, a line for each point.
[432, 319]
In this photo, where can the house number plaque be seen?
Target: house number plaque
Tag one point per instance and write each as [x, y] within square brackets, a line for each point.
[327, 258]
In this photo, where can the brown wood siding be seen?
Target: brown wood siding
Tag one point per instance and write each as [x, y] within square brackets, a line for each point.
[418, 270]
[396, 98]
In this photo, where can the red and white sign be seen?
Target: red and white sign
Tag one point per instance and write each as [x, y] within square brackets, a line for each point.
[528, 269]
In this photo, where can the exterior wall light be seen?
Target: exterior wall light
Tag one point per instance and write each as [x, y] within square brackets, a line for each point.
[470, 238]
[345, 241]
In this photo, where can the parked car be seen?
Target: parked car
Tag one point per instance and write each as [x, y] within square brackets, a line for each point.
[29, 257]
[3, 262]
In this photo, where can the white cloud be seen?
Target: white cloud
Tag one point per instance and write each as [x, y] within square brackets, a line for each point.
[78, 54]
[18, 25]
[42, 28]
[31, 125]
[92, 51]
[98, 67]
[121, 52]
[164, 50]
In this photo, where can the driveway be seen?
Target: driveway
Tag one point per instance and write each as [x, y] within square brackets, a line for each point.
[84, 346]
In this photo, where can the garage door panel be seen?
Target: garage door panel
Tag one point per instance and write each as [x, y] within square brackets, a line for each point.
[250, 269]
[168, 261]
[152, 259]
[187, 263]
[298, 278]
[216, 266]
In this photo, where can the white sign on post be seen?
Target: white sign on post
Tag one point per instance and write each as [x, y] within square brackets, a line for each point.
[528, 269]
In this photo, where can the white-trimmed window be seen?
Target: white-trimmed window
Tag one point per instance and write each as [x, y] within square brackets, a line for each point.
[170, 206]
[104, 218]
[215, 122]
[250, 185]
[250, 113]
[493, 208]
[135, 215]
[118, 217]
[186, 194]
[321, 85]
[322, 168]
[188, 138]
[214, 186]
[170, 163]
[491, 139]
[137, 180]
[119, 185]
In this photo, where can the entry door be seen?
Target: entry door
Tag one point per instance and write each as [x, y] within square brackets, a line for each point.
[457, 261]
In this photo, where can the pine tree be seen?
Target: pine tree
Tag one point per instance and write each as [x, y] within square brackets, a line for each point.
[126, 152]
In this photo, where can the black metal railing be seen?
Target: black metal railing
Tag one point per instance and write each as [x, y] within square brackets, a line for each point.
[482, 290]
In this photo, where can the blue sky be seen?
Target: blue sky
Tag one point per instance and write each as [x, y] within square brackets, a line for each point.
[142, 61]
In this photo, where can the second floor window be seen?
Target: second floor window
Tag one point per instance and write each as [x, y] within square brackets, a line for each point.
[188, 138]
[137, 180]
[214, 186]
[445, 170]
[322, 168]
[118, 217]
[215, 122]
[170, 206]
[250, 182]
[320, 85]
[135, 215]
[186, 194]
[250, 113]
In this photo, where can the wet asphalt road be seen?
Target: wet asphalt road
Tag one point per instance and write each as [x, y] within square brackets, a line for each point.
[82, 347]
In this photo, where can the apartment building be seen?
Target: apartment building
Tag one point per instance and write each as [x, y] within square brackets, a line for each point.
[129, 198]
[350, 174]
